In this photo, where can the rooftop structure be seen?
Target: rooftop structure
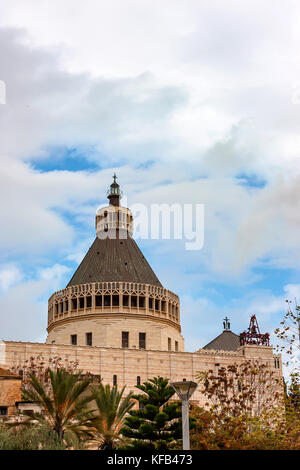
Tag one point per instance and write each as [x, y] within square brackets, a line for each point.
[226, 341]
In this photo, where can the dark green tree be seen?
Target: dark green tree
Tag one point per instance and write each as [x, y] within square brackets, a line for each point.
[64, 406]
[111, 408]
[156, 423]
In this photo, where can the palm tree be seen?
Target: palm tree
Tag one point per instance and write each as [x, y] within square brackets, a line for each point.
[64, 409]
[111, 410]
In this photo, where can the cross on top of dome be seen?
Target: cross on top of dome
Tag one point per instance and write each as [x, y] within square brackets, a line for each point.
[226, 324]
[114, 193]
[115, 177]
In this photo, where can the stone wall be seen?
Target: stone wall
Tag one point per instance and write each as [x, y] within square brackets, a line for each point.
[10, 392]
[107, 331]
[129, 364]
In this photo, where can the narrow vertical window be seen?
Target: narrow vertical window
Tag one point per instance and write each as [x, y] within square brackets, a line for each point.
[89, 339]
[176, 345]
[138, 380]
[169, 344]
[142, 340]
[125, 339]
[74, 340]
[114, 380]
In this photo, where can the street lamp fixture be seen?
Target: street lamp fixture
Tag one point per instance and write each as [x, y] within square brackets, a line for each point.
[185, 390]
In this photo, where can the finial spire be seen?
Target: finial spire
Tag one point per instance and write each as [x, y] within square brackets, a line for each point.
[114, 194]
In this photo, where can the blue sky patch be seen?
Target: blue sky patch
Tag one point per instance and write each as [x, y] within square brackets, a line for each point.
[252, 181]
[66, 159]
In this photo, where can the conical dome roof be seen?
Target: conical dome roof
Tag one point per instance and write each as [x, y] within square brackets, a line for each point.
[110, 260]
[114, 256]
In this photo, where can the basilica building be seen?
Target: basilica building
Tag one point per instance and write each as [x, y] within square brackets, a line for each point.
[118, 321]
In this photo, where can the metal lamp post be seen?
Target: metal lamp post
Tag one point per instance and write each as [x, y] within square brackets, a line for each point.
[185, 390]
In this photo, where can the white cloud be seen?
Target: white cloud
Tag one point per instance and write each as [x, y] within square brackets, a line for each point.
[292, 292]
[202, 90]
[23, 315]
[203, 317]
[271, 228]
[201, 321]
[23, 304]
[57, 272]
[9, 275]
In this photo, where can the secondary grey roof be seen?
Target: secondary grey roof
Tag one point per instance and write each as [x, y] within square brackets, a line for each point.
[226, 341]
[114, 260]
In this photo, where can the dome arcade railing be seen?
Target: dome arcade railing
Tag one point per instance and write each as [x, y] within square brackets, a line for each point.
[113, 297]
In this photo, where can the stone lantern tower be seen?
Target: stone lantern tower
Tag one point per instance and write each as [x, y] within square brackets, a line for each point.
[114, 298]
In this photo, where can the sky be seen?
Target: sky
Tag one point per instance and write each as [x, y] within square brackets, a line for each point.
[194, 102]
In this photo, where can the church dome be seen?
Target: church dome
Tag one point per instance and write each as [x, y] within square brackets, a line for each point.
[114, 294]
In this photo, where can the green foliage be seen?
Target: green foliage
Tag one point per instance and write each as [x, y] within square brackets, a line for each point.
[157, 390]
[247, 410]
[270, 431]
[157, 423]
[32, 437]
[293, 392]
[63, 405]
[111, 409]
